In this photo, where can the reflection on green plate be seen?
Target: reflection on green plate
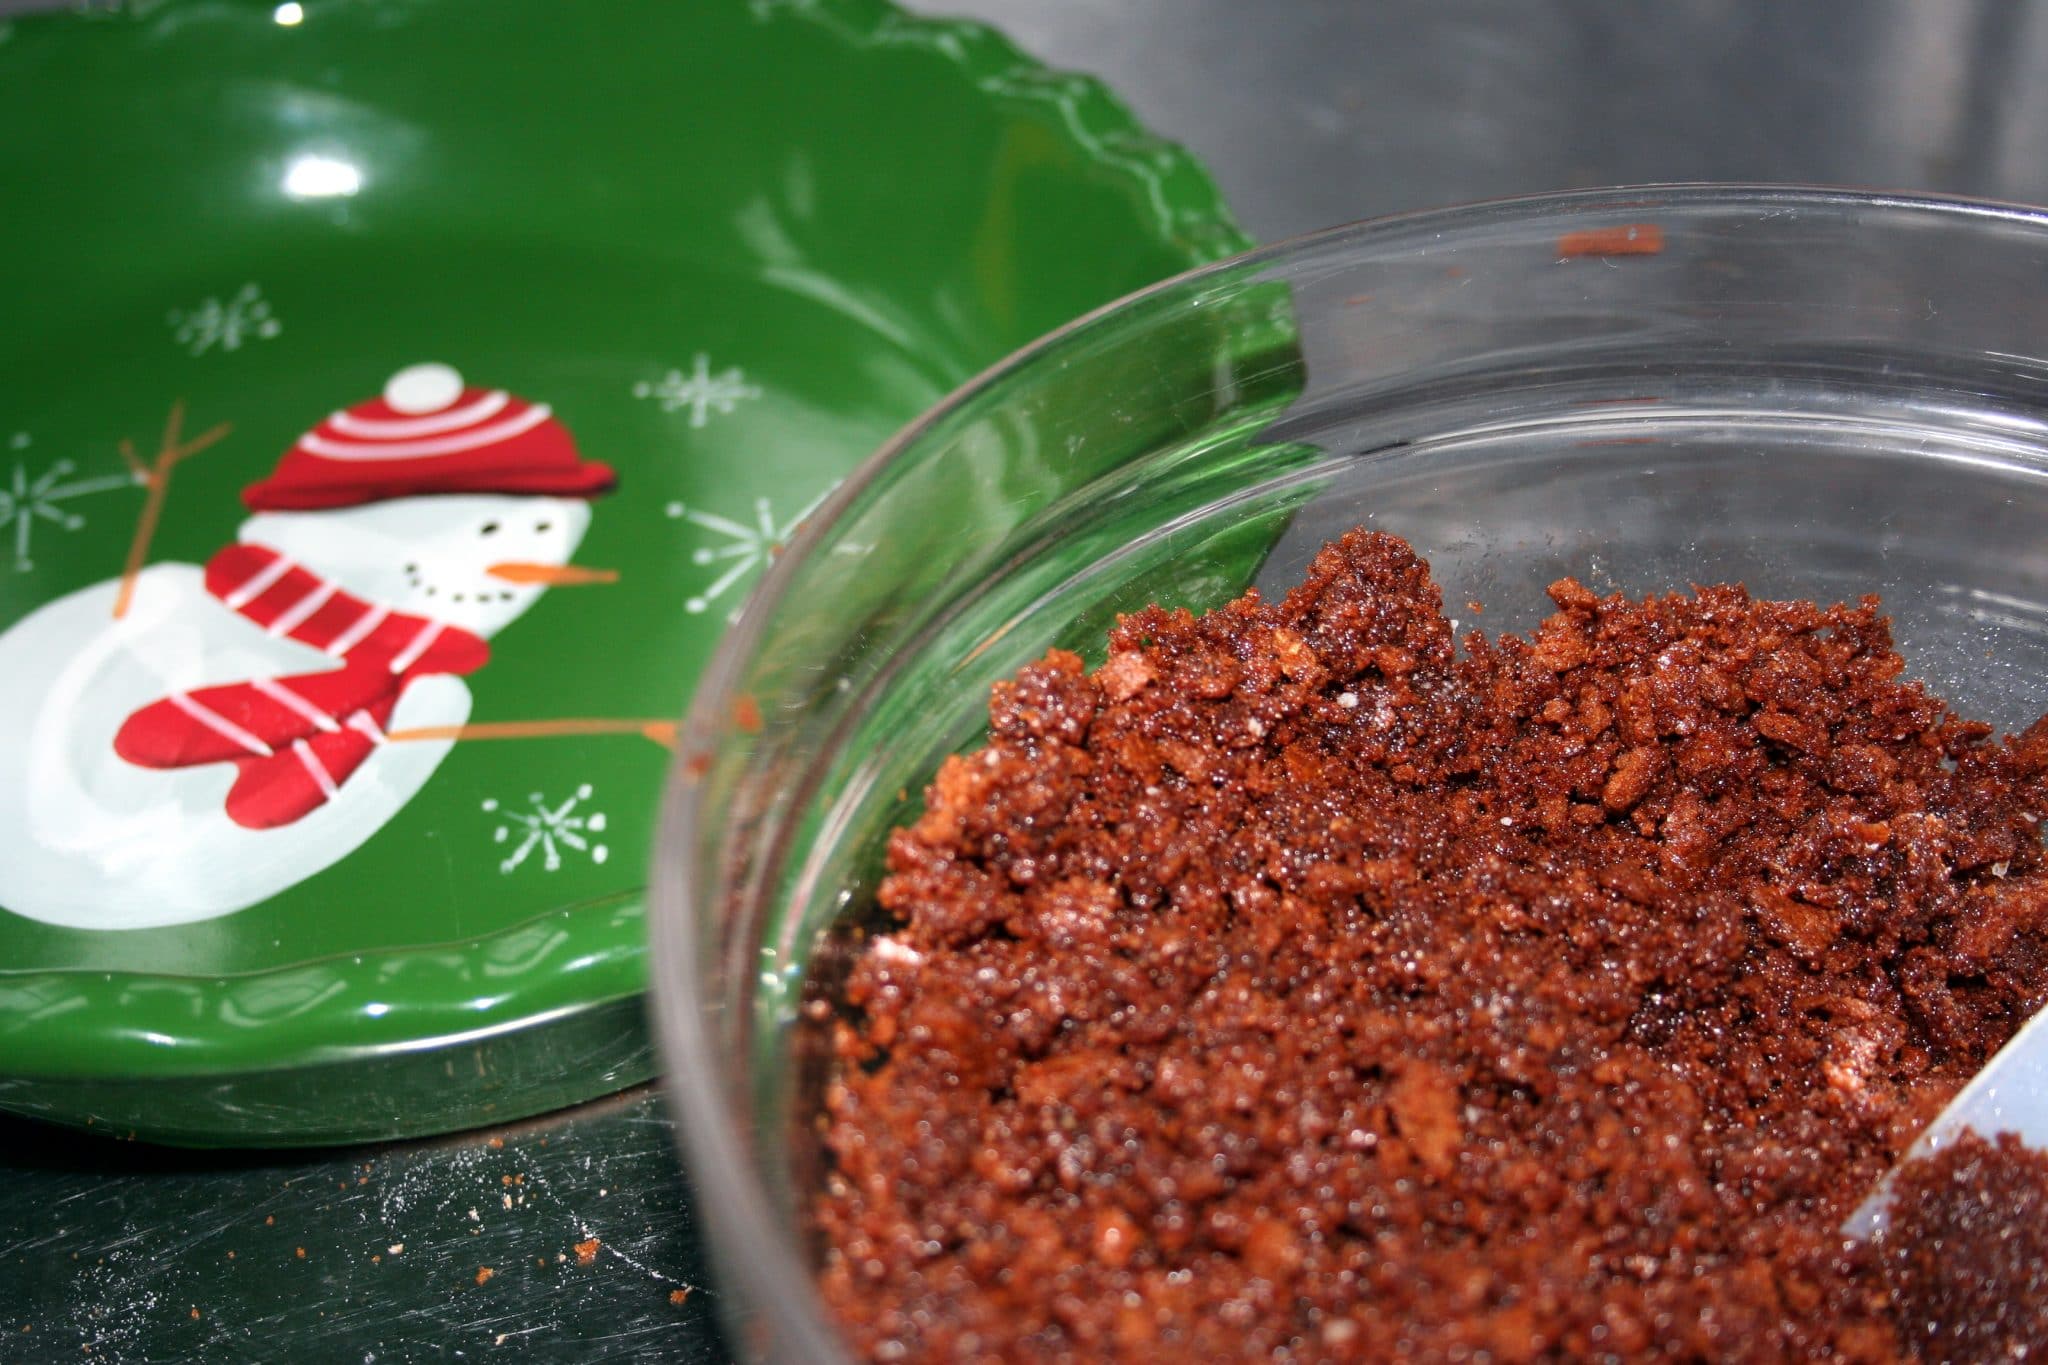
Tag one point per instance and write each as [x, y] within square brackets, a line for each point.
[399, 397]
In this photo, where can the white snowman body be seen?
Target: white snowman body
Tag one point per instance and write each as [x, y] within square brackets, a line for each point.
[90, 840]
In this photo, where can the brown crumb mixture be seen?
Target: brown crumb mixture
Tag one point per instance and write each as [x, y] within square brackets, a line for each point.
[1294, 987]
[1967, 1256]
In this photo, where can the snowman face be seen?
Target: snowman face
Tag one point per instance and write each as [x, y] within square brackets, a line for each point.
[456, 559]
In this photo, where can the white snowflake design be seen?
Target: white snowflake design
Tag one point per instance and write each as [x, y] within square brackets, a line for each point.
[744, 551]
[701, 391]
[24, 501]
[229, 324]
[551, 829]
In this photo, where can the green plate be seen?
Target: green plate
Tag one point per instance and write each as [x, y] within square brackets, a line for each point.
[399, 398]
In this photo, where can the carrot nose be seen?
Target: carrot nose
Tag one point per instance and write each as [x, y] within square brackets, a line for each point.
[552, 575]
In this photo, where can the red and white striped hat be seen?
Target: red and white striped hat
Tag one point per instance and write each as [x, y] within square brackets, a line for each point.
[428, 433]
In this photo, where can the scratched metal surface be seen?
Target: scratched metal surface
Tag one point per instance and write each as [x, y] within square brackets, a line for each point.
[1314, 112]
[1310, 112]
[115, 1252]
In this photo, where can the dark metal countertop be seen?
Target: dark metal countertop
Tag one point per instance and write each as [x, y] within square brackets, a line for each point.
[1315, 112]
[1310, 112]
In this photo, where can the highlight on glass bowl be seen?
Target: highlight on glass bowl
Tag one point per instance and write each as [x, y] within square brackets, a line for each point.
[401, 403]
[1269, 980]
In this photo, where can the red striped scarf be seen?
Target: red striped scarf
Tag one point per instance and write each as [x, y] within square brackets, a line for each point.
[296, 740]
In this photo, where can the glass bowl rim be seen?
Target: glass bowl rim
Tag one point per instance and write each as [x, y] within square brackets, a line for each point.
[721, 1181]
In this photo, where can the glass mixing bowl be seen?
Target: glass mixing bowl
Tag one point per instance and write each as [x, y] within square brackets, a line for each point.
[1819, 394]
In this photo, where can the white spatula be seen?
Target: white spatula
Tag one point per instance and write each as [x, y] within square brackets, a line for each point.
[2010, 1095]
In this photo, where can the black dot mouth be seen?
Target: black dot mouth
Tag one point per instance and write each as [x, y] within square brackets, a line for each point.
[417, 583]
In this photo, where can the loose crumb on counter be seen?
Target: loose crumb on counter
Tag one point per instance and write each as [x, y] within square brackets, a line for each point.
[1628, 239]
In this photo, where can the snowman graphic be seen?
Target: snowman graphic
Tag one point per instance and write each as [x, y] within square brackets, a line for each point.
[191, 740]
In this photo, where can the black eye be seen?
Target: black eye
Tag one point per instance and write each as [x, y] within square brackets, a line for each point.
[543, 527]
[490, 528]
